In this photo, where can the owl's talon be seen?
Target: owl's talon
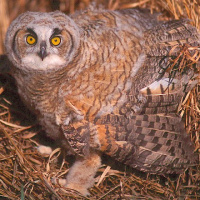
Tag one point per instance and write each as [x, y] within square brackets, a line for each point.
[78, 187]
[74, 186]
[44, 150]
[61, 181]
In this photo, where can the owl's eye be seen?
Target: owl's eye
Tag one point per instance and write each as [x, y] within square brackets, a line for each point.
[55, 40]
[30, 39]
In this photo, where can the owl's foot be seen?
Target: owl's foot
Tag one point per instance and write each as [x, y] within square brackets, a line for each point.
[81, 175]
[44, 150]
[78, 187]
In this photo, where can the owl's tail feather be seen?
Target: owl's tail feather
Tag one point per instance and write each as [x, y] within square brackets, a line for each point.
[153, 143]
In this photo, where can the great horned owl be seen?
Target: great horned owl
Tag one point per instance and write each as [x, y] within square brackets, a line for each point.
[98, 81]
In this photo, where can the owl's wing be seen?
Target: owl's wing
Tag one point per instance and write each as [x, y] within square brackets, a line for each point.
[156, 143]
[156, 132]
[153, 143]
[146, 133]
[160, 39]
[164, 81]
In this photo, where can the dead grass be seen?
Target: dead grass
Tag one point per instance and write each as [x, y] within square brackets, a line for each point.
[25, 174]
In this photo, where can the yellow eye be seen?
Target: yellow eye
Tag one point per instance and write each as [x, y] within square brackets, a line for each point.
[30, 39]
[55, 40]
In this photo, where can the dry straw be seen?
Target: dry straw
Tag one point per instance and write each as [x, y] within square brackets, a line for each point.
[25, 174]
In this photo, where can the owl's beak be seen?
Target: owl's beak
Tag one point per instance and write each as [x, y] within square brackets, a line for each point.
[43, 52]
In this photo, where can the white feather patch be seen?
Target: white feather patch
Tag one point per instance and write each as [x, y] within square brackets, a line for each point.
[33, 61]
[157, 87]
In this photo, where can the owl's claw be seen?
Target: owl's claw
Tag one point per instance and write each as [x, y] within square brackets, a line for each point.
[74, 186]
[78, 187]
[44, 150]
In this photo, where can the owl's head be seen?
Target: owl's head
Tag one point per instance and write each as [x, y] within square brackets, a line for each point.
[42, 41]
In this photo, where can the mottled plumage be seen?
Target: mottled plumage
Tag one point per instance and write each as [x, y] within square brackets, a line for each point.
[98, 83]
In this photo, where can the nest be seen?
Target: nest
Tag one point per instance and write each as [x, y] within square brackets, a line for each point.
[26, 174]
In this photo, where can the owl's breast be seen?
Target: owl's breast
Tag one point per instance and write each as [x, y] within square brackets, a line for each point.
[40, 96]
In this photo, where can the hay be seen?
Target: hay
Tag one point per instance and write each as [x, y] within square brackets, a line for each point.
[26, 174]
